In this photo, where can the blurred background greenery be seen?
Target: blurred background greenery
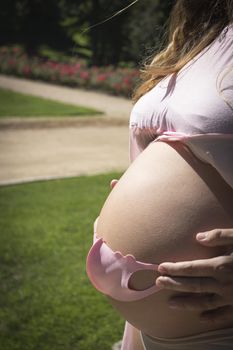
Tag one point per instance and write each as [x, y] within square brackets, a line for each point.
[69, 42]
[57, 28]
[47, 301]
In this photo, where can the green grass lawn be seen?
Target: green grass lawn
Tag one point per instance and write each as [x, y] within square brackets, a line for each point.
[47, 301]
[13, 104]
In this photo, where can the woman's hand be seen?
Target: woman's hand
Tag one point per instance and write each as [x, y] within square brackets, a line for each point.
[113, 183]
[209, 282]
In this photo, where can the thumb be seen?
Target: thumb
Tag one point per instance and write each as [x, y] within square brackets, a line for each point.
[217, 237]
[113, 183]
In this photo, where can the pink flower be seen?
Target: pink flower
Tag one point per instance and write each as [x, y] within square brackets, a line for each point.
[102, 77]
[52, 64]
[117, 86]
[26, 70]
[126, 81]
[77, 66]
[16, 50]
[11, 62]
[84, 75]
[4, 49]
[119, 81]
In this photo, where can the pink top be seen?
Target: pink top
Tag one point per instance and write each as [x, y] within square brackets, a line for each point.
[188, 108]
[185, 108]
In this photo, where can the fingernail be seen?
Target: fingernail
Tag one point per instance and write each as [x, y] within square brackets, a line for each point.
[202, 236]
[162, 269]
[161, 282]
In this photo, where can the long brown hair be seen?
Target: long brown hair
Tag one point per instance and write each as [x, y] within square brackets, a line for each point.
[192, 26]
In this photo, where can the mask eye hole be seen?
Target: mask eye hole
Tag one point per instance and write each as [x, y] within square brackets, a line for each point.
[142, 279]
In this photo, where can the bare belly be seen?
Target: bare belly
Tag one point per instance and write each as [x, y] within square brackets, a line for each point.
[163, 199]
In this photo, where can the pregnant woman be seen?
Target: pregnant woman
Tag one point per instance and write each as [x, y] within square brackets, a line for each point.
[180, 182]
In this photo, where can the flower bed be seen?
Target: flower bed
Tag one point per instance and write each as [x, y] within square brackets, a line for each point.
[116, 81]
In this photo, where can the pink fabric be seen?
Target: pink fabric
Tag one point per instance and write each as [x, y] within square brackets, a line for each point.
[110, 272]
[127, 337]
[188, 108]
[214, 149]
[220, 339]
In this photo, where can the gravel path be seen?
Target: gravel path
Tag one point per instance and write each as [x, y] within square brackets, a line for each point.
[115, 107]
[34, 150]
[45, 149]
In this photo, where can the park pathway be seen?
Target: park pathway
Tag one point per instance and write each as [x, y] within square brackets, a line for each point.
[32, 149]
[115, 107]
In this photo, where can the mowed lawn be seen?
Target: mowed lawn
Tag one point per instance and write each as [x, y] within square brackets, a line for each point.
[14, 104]
[47, 301]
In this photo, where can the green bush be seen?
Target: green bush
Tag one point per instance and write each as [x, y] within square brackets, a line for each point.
[76, 73]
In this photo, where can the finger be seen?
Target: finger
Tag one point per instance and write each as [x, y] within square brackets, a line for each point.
[196, 302]
[216, 237]
[220, 315]
[113, 183]
[219, 267]
[192, 285]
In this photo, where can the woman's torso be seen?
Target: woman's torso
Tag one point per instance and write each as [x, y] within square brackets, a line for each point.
[154, 213]
[167, 194]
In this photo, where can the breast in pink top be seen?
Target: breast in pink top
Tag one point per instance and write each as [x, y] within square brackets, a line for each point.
[187, 107]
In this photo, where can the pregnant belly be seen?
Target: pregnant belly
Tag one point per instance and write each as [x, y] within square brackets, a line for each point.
[163, 199]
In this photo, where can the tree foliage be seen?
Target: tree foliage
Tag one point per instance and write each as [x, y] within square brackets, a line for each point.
[32, 23]
[61, 24]
[146, 28]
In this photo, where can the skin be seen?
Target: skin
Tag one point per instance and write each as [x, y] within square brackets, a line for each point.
[133, 205]
[213, 275]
